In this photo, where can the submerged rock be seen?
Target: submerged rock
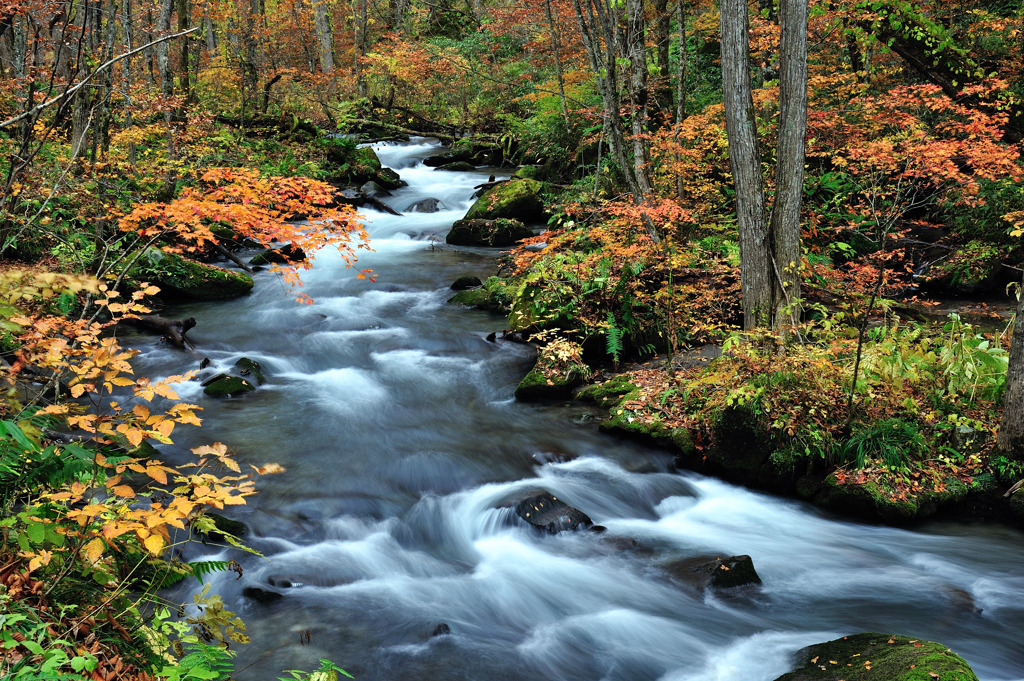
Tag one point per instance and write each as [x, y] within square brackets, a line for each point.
[716, 573]
[457, 166]
[261, 595]
[879, 657]
[545, 511]
[425, 206]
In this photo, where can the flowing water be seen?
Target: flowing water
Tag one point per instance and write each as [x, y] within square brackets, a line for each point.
[403, 446]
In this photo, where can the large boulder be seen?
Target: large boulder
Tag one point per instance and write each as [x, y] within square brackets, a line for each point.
[879, 657]
[480, 232]
[518, 198]
[179, 277]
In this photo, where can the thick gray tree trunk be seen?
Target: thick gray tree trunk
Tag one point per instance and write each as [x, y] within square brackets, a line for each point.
[745, 162]
[789, 163]
[324, 35]
[1010, 441]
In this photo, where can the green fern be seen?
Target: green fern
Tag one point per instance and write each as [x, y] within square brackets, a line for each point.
[204, 661]
[202, 568]
[613, 339]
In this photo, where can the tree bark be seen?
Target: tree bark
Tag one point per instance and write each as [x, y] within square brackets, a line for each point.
[745, 162]
[324, 35]
[172, 330]
[789, 163]
[558, 62]
[1010, 441]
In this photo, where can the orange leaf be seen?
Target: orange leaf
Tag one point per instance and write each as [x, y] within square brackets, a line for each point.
[94, 549]
[124, 491]
[154, 543]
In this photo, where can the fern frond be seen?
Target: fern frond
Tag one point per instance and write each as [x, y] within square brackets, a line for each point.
[202, 568]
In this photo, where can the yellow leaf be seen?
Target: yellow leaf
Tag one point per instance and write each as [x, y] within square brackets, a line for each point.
[94, 549]
[154, 543]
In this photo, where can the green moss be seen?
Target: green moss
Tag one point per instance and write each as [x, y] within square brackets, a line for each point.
[473, 297]
[183, 278]
[536, 387]
[249, 367]
[519, 198]
[528, 172]
[608, 393]
[868, 500]
[228, 386]
[879, 657]
[481, 232]
[741, 444]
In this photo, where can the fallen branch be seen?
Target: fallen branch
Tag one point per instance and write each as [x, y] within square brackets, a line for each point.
[172, 330]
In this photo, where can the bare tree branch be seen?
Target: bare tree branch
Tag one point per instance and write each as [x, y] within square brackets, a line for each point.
[99, 69]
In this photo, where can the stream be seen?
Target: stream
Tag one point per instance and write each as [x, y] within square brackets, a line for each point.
[404, 447]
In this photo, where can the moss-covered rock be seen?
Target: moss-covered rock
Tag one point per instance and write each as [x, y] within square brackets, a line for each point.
[879, 657]
[519, 198]
[651, 428]
[865, 499]
[251, 368]
[180, 277]
[223, 385]
[536, 387]
[473, 297]
[480, 232]
[741, 445]
[607, 394]
[528, 172]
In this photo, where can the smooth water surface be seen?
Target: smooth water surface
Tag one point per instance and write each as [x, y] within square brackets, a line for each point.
[403, 446]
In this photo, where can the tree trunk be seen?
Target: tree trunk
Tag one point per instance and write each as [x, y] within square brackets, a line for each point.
[789, 163]
[167, 88]
[184, 19]
[681, 74]
[558, 62]
[324, 35]
[1010, 441]
[636, 51]
[745, 162]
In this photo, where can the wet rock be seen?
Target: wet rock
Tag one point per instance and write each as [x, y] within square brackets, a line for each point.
[471, 297]
[481, 232]
[546, 512]
[281, 582]
[425, 206]
[519, 198]
[457, 166]
[289, 253]
[538, 387]
[466, 282]
[460, 155]
[374, 189]
[545, 457]
[261, 595]
[389, 179]
[223, 385]
[252, 369]
[717, 573]
[441, 629]
[879, 657]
